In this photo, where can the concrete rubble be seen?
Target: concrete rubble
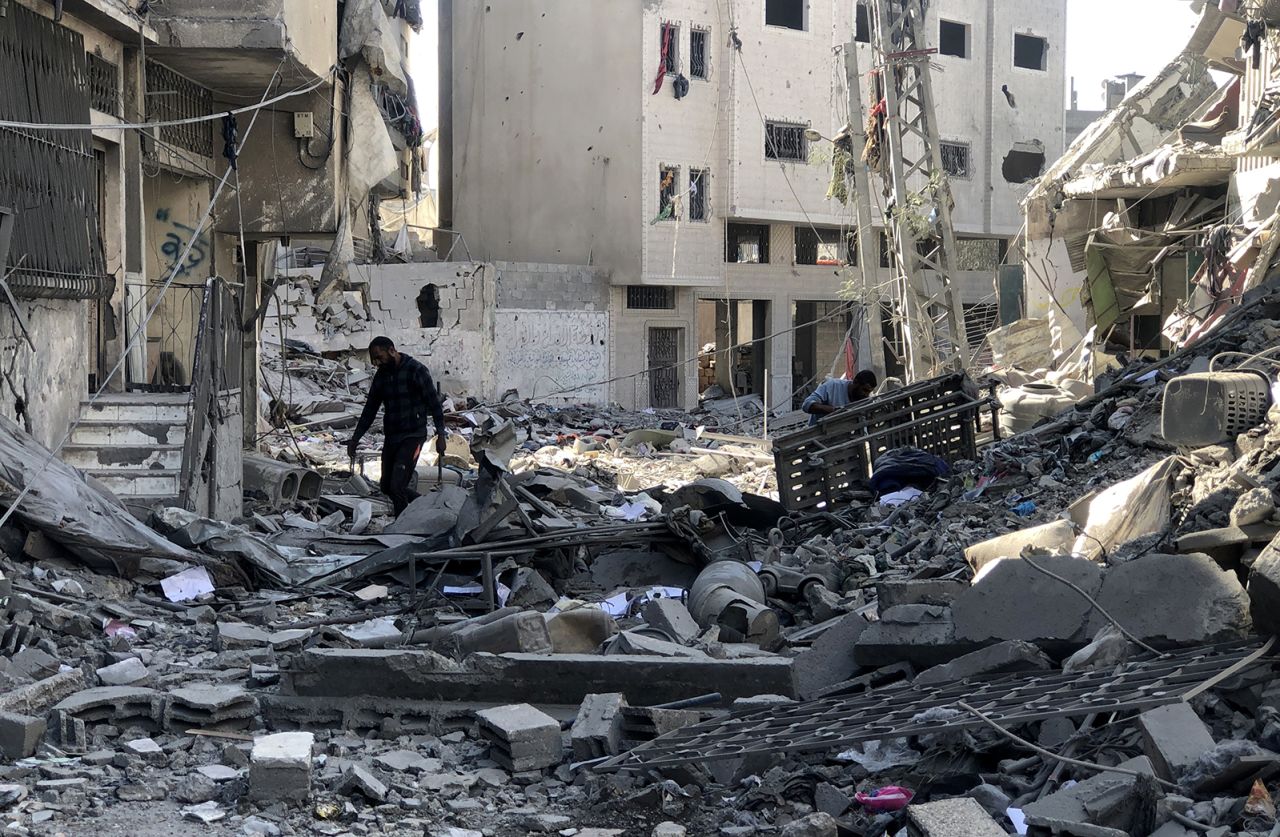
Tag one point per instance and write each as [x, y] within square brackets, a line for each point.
[578, 591]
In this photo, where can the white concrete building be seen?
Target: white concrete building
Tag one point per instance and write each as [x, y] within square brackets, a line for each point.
[565, 141]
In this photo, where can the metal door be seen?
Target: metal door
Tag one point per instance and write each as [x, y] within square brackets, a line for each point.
[664, 375]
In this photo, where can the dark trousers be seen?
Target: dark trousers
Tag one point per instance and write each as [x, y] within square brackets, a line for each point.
[399, 461]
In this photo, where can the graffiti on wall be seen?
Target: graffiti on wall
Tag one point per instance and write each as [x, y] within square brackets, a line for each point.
[174, 245]
[545, 352]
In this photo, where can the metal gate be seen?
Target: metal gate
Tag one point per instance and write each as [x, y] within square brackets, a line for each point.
[664, 376]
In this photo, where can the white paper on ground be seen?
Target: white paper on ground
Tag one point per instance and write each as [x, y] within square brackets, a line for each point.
[897, 498]
[187, 585]
[1018, 819]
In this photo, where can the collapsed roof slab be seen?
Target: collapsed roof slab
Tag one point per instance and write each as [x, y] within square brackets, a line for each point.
[1153, 175]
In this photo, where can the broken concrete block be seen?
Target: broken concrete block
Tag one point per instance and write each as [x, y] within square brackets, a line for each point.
[1108, 649]
[1175, 599]
[1002, 658]
[928, 591]
[1101, 802]
[115, 704]
[357, 780]
[530, 589]
[1012, 600]
[280, 767]
[1253, 506]
[20, 735]
[209, 705]
[597, 731]
[951, 818]
[233, 636]
[829, 799]
[1174, 738]
[526, 631]
[124, 673]
[1056, 537]
[922, 635]
[669, 829]
[1264, 589]
[580, 631]
[814, 825]
[829, 660]
[148, 750]
[672, 618]
[645, 723]
[1211, 540]
[523, 737]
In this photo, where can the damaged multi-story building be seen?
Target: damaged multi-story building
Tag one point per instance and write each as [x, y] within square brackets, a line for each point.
[693, 170]
[139, 249]
[1162, 213]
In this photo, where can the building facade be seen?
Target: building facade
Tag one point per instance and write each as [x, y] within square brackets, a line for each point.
[666, 143]
[116, 233]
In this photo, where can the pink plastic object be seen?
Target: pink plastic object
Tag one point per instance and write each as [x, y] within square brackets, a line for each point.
[891, 798]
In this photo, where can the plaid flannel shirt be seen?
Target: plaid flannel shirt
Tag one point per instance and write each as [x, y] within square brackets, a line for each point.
[409, 397]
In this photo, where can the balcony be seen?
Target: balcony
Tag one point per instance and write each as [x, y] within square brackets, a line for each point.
[234, 46]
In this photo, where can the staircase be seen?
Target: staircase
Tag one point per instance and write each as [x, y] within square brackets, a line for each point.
[132, 443]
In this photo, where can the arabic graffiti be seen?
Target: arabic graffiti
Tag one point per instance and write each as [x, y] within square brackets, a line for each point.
[175, 244]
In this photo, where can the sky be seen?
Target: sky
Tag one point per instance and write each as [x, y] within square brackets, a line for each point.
[1105, 38]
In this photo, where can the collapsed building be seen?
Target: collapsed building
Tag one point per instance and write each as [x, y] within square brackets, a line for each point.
[940, 612]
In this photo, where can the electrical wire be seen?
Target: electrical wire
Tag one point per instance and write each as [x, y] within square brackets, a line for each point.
[142, 126]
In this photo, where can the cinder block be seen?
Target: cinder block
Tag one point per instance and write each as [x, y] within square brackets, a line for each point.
[1174, 738]
[280, 767]
[20, 735]
[523, 737]
[597, 731]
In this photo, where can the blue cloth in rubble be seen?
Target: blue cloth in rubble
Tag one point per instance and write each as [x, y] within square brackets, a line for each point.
[907, 468]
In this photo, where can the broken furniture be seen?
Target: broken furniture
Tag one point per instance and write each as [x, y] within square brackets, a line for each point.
[818, 465]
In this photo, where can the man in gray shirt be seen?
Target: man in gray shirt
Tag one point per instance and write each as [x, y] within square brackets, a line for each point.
[834, 394]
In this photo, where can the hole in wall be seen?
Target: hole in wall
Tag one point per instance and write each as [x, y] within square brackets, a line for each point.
[429, 306]
[1024, 162]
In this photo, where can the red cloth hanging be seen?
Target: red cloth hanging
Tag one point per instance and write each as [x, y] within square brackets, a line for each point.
[667, 29]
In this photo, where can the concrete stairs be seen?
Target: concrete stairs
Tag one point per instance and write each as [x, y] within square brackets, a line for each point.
[132, 443]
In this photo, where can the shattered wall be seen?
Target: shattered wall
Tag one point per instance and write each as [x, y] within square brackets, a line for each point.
[41, 389]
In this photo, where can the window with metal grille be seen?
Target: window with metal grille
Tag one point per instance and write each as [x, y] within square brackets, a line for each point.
[48, 179]
[785, 141]
[698, 64]
[650, 298]
[747, 243]
[955, 158]
[172, 96]
[978, 253]
[886, 250]
[699, 199]
[669, 43]
[953, 38]
[104, 84]
[668, 186]
[862, 24]
[1030, 52]
[825, 246]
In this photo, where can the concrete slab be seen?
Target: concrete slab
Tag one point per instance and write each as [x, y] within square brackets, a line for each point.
[1173, 737]
[951, 818]
[923, 635]
[1182, 599]
[1095, 807]
[1002, 658]
[414, 674]
[829, 660]
[1014, 601]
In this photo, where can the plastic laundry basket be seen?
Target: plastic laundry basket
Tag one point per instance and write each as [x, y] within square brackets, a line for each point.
[1208, 408]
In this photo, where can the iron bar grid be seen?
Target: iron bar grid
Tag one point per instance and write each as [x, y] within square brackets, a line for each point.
[839, 722]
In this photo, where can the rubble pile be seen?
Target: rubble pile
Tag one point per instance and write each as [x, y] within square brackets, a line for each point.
[600, 622]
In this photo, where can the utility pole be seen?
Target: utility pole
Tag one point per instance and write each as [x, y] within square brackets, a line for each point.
[868, 241]
[920, 214]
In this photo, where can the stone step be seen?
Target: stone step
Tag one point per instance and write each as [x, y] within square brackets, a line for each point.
[100, 432]
[125, 482]
[155, 408]
[90, 457]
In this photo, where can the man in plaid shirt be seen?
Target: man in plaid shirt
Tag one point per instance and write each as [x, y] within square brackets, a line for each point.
[403, 387]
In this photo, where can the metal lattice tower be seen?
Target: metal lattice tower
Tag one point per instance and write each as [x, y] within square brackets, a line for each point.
[919, 217]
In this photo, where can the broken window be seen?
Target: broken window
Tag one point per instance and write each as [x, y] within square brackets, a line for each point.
[650, 297]
[1030, 52]
[955, 159]
[670, 45]
[668, 183]
[699, 181]
[953, 38]
[786, 13]
[824, 246]
[1024, 163]
[429, 306]
[862, 24]
[747, 244]
[698, 53]
[785, 141]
